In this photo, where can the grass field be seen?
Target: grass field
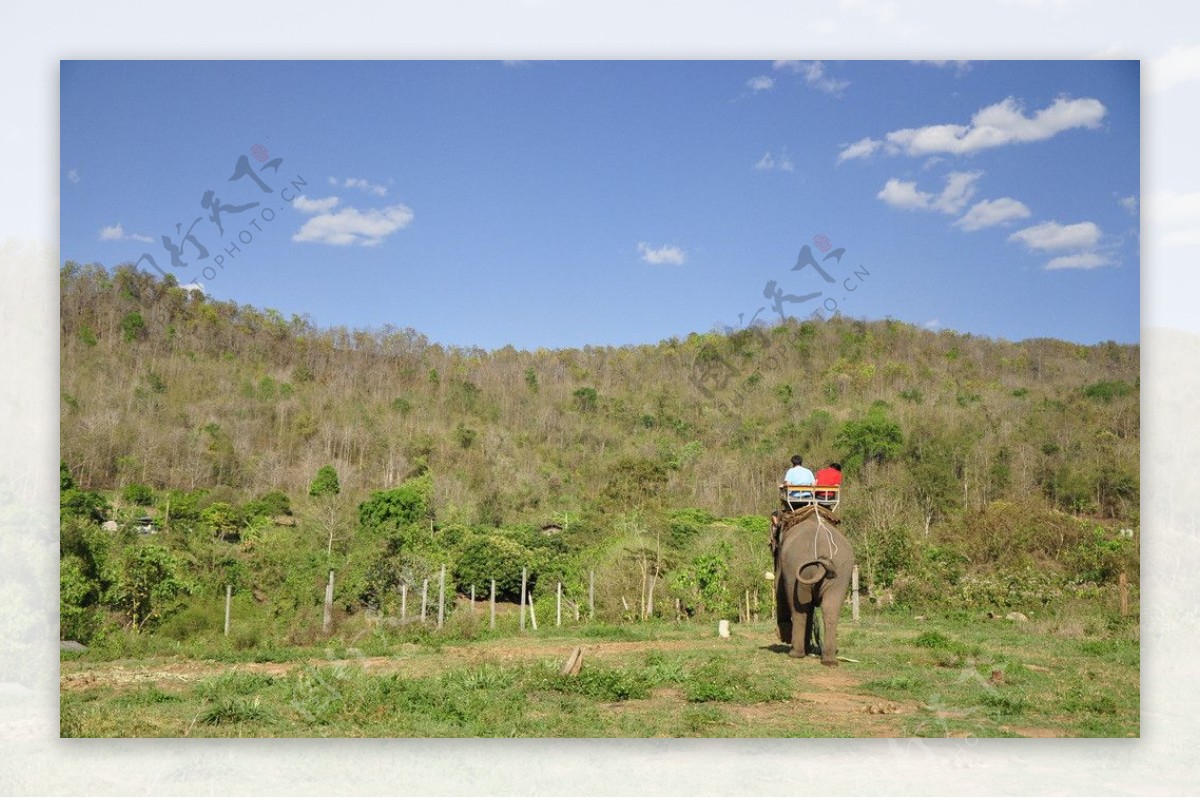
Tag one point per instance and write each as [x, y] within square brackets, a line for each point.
[940, 676]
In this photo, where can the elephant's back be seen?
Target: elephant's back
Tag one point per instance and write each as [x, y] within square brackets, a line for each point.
[815, 527]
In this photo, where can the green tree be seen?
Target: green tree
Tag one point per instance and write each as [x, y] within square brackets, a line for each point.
[141, 495]
[586, 399]
[222, 519]
[152, 585]
[872, 438]
[65, 480]
[133, 326]
[388, 511]
[488, 557]
[326, 482]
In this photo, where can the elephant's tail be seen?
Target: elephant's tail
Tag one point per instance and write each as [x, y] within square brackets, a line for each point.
[818, 570]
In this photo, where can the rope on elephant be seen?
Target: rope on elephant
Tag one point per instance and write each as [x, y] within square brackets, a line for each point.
[797, 517]
[821, 527]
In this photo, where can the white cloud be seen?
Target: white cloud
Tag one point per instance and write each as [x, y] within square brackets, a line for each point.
[73, 175]
[359, 183]
[904, 194]
[996, 125]
[761, 83]
[1082, 260]
[1129, 203]
[117, 233]
[665, 254]
[352, 226]
[193, 287]
[769, 162]
[862, 148]
[306, 205]
[989, 213]
[960, 67]
[814, 75]
[1177, 65]
[1049, 236]
[932, 324]
[960, 187]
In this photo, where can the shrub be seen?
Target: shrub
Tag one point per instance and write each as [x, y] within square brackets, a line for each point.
[83, 504]
[1106, 391]
[325, 483]
[269, 505]
[133, 326]
[389, 510]
[874, 437]
[141, 495]
[489, 557]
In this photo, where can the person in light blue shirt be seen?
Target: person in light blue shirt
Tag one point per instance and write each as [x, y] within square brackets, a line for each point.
[798, 474]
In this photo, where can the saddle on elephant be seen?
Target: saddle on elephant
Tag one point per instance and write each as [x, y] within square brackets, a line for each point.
[794, 497]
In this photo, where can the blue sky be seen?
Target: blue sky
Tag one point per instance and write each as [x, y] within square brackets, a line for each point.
[570, 203]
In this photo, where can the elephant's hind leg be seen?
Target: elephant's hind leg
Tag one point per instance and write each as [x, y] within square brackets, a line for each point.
[783, 614]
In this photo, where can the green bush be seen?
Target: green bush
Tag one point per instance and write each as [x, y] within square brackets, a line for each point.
[83, 504]
[268, 505]
[489, 557]
[325, 483]
[1107, 390]
[133, 326]
[874, 437]
[410, 503]
[141, 495]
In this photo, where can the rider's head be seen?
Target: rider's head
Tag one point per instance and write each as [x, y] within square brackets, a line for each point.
[836, 466]
[797, 460]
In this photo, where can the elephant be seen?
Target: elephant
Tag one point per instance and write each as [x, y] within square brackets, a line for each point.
[813, 565]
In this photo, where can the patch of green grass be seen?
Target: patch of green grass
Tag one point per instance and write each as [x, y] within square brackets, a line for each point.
[232, 709]
[235, 682]
[602, 684]
[718, 679]
[899, 686]
[147, 696]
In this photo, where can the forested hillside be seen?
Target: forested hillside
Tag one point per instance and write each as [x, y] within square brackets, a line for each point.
[962, 455]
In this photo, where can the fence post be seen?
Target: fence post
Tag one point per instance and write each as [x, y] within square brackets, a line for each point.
[854, 593]
[472, 599]
[558, 606]
[229, 598]
[1123, 581]
[424, 598]
[442, 596]
[522, 599]
[591, 595]
[492, 622]
[403, 602]
[532, 613]
[327, 621]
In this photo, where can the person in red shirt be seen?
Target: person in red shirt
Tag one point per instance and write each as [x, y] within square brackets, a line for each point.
[830, 476]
